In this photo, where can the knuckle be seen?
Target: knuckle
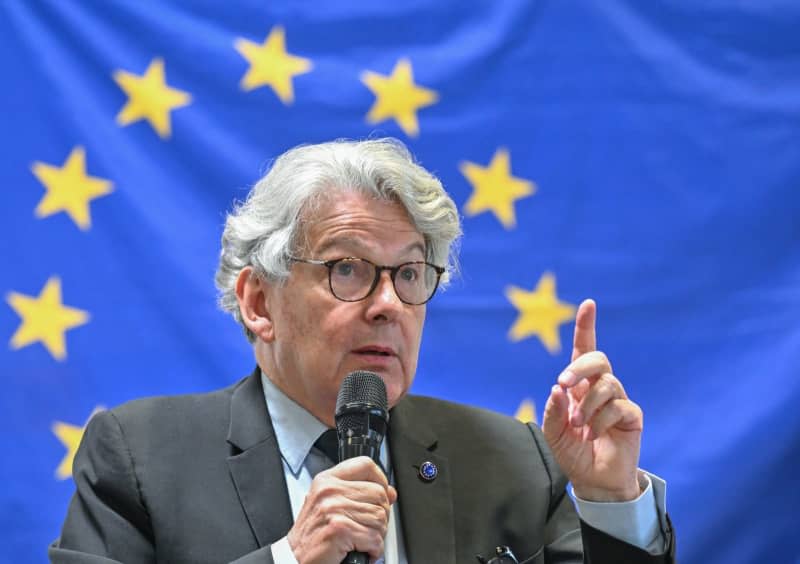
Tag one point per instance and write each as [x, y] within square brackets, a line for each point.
[602, 359]
[381, 516]
[327, 506]
[377, 493]
[337, 525]
[606, 387]
[324, 488]
[376, 516]
[376, 474]
[375, 543]
[614, 410]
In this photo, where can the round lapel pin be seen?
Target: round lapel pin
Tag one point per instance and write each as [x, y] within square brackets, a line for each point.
[428, 471]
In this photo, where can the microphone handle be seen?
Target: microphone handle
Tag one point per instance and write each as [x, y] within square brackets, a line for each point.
[356, 558]
[351, 448]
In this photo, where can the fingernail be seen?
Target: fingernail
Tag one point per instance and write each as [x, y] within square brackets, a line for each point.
[567, 378]
[577, 419]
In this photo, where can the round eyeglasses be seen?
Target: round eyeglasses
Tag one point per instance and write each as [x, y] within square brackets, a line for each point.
[353, 279]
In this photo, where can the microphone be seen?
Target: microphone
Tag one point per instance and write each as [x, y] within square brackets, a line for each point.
[362, 417]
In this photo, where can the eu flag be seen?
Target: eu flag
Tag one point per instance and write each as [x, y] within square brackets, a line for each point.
[646, 155]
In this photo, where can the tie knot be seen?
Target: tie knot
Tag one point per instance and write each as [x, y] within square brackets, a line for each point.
[328, 444]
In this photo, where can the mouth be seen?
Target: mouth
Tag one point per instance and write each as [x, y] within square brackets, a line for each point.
[373, 351]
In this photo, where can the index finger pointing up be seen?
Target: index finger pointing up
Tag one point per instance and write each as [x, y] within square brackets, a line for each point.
[585, 339]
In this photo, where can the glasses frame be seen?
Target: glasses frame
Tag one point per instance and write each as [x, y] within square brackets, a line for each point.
[393, 270]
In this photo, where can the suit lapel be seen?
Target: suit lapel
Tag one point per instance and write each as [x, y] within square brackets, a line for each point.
[257, 470]
[426, 508]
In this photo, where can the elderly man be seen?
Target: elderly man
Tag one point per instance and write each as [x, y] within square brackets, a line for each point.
[328, 266]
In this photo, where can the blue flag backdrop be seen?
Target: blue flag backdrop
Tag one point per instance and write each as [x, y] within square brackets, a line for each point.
[643, 154]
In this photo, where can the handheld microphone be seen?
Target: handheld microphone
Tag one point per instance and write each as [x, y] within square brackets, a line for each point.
[362, 418]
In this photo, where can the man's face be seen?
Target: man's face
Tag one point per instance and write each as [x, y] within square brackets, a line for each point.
[319, 339]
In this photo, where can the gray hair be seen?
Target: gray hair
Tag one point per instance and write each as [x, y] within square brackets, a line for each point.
[264, 230]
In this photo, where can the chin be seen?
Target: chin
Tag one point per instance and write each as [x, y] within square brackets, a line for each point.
[394, 392]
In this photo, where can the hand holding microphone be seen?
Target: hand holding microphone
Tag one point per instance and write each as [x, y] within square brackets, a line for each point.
[346, 512]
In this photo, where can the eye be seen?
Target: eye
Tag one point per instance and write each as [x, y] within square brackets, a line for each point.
[343, 268]
[409, 273]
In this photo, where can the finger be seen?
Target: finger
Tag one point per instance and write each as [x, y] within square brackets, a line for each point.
[589, 365]
[360, 468]
[372, 543]
[556, 413]
[332, 494]
[585, 338]
[359, 537]
[365, 492]
[577, 392]
[366, 514]
[604, 390]
[622, 414]
[357, 505]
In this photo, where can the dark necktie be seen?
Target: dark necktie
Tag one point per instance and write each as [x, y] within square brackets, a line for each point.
[328, 444]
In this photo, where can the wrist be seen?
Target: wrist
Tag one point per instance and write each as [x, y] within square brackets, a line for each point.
[629, 492]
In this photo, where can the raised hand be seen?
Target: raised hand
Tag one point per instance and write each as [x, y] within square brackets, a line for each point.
[346, 509]
[592, 427]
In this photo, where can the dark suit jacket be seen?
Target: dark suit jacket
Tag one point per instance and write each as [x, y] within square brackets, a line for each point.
[199, 478]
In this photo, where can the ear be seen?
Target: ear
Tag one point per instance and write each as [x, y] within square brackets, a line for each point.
[251, 293]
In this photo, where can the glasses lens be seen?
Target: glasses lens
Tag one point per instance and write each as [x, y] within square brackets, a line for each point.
[415, 282]
[351, 279]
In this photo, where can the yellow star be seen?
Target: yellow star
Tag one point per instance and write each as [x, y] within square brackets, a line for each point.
[69, 188]
[70, 436]
[526, 412]
[150, 98]
[396, 96]
[271, 65]
[45, 319]
[540, 313]
[494, 189]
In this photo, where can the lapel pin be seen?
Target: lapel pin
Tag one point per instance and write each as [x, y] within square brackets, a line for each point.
[428, 471]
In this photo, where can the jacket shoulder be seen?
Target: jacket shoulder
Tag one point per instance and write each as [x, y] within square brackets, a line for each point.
[444, 413]
[162, 422]
[165, 407]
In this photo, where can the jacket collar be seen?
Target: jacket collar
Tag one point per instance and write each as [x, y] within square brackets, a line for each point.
[255, 463]
[426, 507]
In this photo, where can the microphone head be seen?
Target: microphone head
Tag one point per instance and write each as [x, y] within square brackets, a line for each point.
[364, 387]
[361, 406]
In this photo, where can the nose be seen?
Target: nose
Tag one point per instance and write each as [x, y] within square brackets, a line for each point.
[384, 303]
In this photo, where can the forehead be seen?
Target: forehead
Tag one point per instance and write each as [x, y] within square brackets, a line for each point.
[352, 220]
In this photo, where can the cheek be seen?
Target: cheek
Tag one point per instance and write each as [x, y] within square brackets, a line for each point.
[413, 340]
[415, 336]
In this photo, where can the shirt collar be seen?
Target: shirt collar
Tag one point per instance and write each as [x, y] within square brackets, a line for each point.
[295, 428]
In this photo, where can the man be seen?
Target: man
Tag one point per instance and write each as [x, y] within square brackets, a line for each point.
[328, 265]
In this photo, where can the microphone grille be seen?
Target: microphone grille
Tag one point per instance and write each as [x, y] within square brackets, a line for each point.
[362, 386]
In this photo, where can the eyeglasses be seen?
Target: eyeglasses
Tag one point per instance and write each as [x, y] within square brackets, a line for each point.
[353, 279]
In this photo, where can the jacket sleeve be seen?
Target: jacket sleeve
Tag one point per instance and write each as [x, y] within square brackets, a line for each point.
[570, 540]
[107, 521]
[106, 517]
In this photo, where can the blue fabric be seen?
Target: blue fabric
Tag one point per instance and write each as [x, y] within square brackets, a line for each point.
[657, 150]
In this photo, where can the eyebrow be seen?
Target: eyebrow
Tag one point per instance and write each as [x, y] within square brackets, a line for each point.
[361, 247]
